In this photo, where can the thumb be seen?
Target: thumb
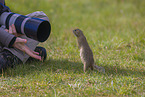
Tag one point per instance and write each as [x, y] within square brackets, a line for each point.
[20, 40]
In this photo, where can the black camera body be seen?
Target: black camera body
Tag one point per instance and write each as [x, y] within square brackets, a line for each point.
[35, 28]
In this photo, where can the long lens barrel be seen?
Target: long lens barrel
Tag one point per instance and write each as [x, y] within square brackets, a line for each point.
[35, 28]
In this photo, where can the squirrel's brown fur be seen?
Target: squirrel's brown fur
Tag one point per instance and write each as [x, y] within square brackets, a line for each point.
[86, 53]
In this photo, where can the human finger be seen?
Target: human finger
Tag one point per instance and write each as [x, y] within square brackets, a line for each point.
[32, 54]
[10, 30]
[7, 30]
[14, 29]
[20, 40]
[36, 53]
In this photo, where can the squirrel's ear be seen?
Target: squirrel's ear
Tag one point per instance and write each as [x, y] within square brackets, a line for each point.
[80, 30]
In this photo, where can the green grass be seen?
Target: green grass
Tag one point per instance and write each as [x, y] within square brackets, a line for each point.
[115, 32]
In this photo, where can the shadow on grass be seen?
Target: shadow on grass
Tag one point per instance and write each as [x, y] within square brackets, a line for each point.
[49, 66]
[64, 65]
[114, 70]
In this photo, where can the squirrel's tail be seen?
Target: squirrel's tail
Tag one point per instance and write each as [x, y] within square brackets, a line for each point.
[99, 68]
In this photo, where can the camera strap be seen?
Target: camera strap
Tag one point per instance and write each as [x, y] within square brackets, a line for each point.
[4, 8]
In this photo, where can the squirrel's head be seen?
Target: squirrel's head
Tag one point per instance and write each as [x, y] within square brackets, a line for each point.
[78, 32]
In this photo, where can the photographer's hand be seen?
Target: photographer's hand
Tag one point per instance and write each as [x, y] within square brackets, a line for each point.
[13, 31]
[20, 44]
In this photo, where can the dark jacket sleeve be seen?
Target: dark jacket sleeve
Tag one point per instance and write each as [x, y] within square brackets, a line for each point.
[2, 1]
[6, 38]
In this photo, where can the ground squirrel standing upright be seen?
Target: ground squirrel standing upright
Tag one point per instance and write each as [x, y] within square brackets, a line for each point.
[86, 53]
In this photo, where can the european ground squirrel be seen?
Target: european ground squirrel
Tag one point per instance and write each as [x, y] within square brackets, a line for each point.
[86, 53]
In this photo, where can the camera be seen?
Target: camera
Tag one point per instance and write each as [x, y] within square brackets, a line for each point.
[34, 28]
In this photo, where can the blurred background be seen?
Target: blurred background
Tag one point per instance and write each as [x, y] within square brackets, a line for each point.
[100, 19]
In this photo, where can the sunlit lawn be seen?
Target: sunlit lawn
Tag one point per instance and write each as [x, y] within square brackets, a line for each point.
[115, 32]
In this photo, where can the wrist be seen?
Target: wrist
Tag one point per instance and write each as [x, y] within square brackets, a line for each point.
[12, 42]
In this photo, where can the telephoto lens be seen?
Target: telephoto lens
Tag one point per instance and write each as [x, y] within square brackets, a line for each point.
[35, 28]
